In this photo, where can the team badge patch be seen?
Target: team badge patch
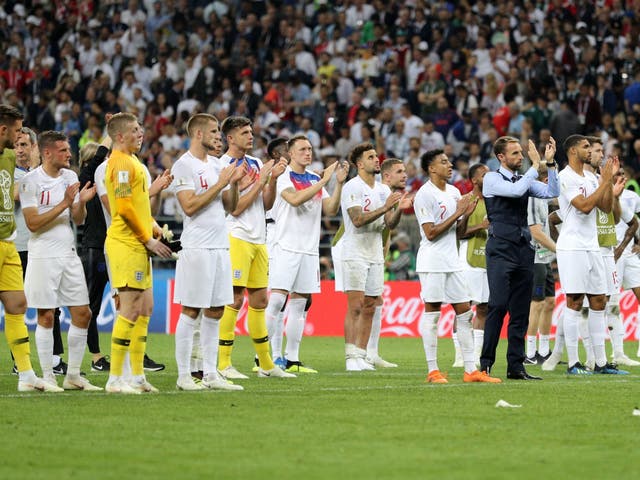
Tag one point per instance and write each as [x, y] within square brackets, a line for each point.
[237, 274]
[123, 176]
[138, 276]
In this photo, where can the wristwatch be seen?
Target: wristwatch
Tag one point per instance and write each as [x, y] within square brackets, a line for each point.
[552, 164]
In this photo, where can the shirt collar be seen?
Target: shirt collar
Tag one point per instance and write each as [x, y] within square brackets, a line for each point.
[507, 173]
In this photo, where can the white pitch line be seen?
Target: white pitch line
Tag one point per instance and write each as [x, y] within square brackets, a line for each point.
[308, 388]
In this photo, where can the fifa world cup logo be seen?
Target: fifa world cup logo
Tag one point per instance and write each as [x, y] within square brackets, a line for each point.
[5, 186]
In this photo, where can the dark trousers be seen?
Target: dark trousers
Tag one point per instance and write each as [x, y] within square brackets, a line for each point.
[510, 275]
[95, 272]
[58, 347]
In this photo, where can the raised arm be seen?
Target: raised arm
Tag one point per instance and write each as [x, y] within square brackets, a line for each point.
[297, 197]
[601, 198]
[34, 220]
[331, 205]
[433, 231]
[192, 203]
[79, 208]
[361, 218]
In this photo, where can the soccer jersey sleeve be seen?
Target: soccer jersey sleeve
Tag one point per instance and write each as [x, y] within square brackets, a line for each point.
[284, 182]
[352, 197]
[122, 178]
[101, 187]
[570, 189]
[423, 207]
[626, 214]
[183, 178]
[28, 192]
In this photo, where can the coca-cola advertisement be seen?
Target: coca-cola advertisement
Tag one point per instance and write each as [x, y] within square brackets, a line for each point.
[401, 312]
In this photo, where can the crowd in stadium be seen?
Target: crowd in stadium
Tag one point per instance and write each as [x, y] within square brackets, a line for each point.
[406, 77]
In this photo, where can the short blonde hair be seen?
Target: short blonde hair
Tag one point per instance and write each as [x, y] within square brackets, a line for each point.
[119, 122]
[87, 152]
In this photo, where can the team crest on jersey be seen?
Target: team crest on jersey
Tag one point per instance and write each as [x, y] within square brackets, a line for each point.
[352, 197]
[138, 276]
[123, 176]
[181, 181]
[237, 274]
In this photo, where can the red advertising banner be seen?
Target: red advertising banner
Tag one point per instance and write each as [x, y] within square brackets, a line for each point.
[401, 312]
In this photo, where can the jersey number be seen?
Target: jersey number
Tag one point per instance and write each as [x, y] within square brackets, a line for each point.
[367, 204]
[45, 198]
[203, 182]
[444, 211]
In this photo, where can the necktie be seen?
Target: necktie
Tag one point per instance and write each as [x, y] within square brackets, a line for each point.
[515, 178]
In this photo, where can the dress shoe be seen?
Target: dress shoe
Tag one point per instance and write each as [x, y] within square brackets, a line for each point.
[521, 375]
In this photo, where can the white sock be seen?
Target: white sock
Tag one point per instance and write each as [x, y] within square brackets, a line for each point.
[429, 330]
[456, 344]
[275, 322]
[126, 368]
[55, 360]
[558, 346]
[44, 344]
[571, 320]
[531, 346]
[209, 338]
[616, 330]
[465, 337]
[374, 337]
[27, 376]
[196, 351]
[585, 333]
[478, 340]
[295, 328]
[349, 350]
[597, 330]
[77, 341]
[184, 344]
[543, 345]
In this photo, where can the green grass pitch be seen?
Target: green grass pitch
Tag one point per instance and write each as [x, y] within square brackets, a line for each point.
[333, 425]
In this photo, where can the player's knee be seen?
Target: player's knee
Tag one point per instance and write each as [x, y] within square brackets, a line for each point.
[597, 303]
[549, 303]
[213, 312]
[16, 305]
[83, 317]
[45, 318]
[355, 308]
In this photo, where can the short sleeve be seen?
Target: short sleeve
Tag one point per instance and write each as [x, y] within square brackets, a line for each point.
[101, 187]
[570, 189]
[423, 207]
[284, 182]
[28, 192]
[626, 214]
[352, 197]
[182, 177]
